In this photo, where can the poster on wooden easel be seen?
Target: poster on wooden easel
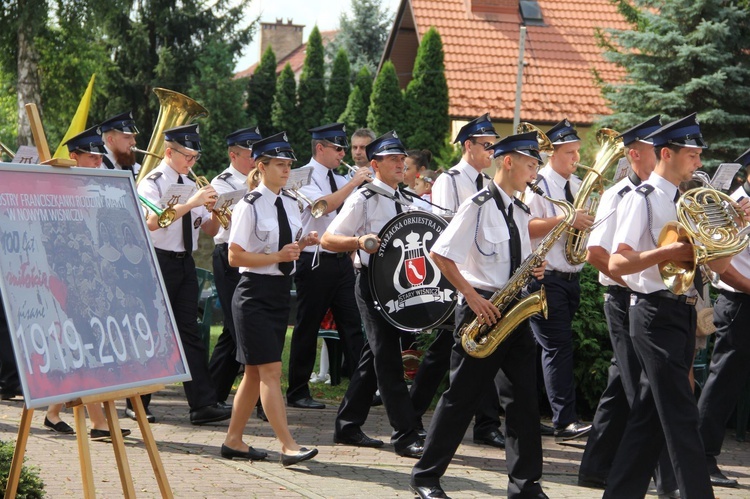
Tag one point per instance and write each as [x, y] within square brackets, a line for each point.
[86, 305]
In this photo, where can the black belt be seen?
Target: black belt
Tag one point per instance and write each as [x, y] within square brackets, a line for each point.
[171, 254]
[324, 254]
[566, 276]
[688, 300]
[223, 245]
[614, 289]
[733, 295]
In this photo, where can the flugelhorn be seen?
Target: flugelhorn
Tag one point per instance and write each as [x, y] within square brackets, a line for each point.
[317, 208]
[353, 169]
[166, 216]
[222, 213]
[141, 151]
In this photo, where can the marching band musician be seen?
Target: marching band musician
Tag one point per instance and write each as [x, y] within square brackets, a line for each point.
[380, 365]
[223, 365]
[265, 243]
[555, 334]
[662, 325]
[328, 282]
[730, 360]
[625, 371]
[119, 133]
[174, 247]
[478, 252]
[450, 190]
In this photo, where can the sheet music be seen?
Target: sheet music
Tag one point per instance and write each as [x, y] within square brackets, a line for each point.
[177, 194]
[229, 199]
[724, 175]
[299, 177]
[623, 166]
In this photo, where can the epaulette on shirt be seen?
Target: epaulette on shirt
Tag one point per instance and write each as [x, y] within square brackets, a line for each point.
[452, 172]
[520, 204]
[224, 176]
[154, 176]
[409, 196]
[482, 197]
[367, 193]
[624, 191]
[644, 189]
[251, 197]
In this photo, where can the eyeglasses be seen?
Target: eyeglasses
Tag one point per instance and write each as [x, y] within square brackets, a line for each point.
[483, 144]
[336, 148]
[188, 157]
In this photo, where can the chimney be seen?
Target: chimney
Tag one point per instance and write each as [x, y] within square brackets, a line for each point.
[494, 6]
[282, 37]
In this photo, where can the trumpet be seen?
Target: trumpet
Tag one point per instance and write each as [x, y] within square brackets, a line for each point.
[141, 151]
[353, 169]
[166, 216]
[223, 213]
[317, 208]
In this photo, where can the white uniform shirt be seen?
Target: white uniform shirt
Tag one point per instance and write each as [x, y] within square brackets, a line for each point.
[256, 225]
[740, 261]
[455, 186]
[635, 230]
[318, 187]
[554, 185]
[365, 212]
[602, 235]
[229, 180]
[152, 188]
[478, 240]
[110, 156]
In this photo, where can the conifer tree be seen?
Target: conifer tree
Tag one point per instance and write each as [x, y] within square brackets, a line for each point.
[339, 87]
[284, 110]
[427, 124]
[261, 88]
[363, 81]
[683, 57]
[386, 102]
[355, 114]
[311, 94]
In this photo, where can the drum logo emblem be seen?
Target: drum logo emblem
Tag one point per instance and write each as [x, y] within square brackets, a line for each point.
[415, 270]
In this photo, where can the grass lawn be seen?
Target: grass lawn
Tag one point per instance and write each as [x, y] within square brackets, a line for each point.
[319, 391]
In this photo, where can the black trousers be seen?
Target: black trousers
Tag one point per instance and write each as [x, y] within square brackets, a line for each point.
[380, 367]
[182, 288]
[555, 336]
[432, 369]
[330, 285]
[664, 412]
[612, 412]
[223, 365]
[469, 378]
[9, 381]
[730, 366]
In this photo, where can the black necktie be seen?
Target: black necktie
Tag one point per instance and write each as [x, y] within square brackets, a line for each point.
[568, 195]
[187, 226]
[515, 241]
[398, 204]
[332, 182]
[285, 235]
[676, 196]
[480, 182]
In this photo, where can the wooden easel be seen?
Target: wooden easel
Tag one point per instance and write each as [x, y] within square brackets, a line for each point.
[84, 453]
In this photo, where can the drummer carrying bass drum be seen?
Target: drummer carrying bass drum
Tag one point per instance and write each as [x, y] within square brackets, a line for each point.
[380, 365]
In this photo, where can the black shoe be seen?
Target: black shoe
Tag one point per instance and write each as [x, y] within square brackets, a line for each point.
[302, 455]
[9, 394]
[359, 439]
[260, 413]
[99, 435]
[224, 405]
[131, 414]
[414, 450]
[546, 430]
[718, 479]
[592, 482]
[675, 494]
[422, 433]
[210, 414]
[493, 437]
[376, 401]
[60, 427]
[434, 492]
[306, 403]
[573, 430]
[251, 454]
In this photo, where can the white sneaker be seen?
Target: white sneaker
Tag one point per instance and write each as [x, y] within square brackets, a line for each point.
[327, 379]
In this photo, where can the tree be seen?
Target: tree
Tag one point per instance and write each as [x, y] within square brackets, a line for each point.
[355, 114]
[683, 57]
[339, 86]
[427, 123]
[364, 81]
[311, 93]
[386, 101]
[261, 88]
[284, 112]
[363, 36]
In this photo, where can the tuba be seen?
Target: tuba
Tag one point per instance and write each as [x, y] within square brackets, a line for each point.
[175, 110]
[712, 223]
[545, 145]
[480, 340]
[591, 190]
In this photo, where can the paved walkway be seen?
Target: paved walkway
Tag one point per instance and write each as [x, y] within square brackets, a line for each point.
[194, 468]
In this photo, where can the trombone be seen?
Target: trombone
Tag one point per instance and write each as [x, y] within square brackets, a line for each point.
[223, 213]
[135, 149]
[317, 208]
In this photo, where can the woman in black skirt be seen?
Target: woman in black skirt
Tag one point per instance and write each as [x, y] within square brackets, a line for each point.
[264, 242]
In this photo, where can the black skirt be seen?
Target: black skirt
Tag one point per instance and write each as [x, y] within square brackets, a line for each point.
[260, 306]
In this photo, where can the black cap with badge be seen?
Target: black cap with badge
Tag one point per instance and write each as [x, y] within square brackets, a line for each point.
[642, 130]
[522, 143]
[123, 122]
[685, 132]
[563, 132]
[186, 135]
[89, 140]
[244, 137]
[335, 133]
[386, 145]
[274, 146]
[478, 127]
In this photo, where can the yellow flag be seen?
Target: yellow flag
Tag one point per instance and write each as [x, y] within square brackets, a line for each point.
[78, 124]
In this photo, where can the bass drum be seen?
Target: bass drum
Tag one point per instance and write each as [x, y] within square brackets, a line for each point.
[407, 286]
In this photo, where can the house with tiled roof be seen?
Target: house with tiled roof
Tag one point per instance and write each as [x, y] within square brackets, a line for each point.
[286, 41]
[481, 43]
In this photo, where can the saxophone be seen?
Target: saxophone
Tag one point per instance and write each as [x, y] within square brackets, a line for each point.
[481, 340]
